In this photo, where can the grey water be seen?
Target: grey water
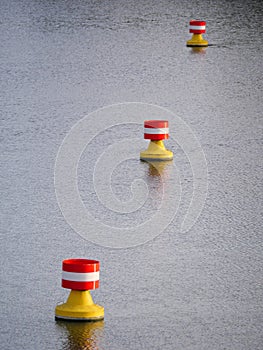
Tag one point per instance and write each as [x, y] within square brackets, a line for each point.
[60, 61]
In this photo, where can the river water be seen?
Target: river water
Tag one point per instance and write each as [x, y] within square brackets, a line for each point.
[62, 60]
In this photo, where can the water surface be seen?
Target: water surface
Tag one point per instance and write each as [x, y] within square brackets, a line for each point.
[61, 60]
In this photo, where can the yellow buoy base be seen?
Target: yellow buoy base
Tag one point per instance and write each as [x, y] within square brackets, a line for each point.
[197, 40]
[79, 307]
[156, 151]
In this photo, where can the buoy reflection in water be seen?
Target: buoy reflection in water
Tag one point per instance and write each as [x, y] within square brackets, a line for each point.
[83, 335]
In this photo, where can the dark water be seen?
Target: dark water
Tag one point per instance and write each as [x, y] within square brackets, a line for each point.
[61, 60]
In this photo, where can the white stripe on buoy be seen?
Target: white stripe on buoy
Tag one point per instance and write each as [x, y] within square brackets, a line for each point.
[154, 131]
[80, 276]
[197, 27]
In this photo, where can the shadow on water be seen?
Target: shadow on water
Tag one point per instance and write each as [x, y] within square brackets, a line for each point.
[202, 50]
[82, 335]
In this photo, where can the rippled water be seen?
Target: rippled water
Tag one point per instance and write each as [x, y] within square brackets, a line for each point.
[61, 60]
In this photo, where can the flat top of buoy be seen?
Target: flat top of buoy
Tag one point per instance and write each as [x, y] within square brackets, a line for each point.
[80, 262]
[80, 265]
[197, 22]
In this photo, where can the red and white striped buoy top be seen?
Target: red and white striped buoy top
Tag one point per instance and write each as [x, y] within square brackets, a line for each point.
[156, 130]
[80, 274]
[197, 27]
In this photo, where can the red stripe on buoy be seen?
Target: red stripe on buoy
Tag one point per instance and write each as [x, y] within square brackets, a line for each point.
[80, 285]
[80, 265]
[156, 137]
[156, 124]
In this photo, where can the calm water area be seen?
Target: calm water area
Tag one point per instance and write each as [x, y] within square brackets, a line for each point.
[62, 60]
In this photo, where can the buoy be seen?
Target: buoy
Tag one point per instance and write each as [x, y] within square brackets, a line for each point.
[197, 28]
[81, 276]
[156, 131]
